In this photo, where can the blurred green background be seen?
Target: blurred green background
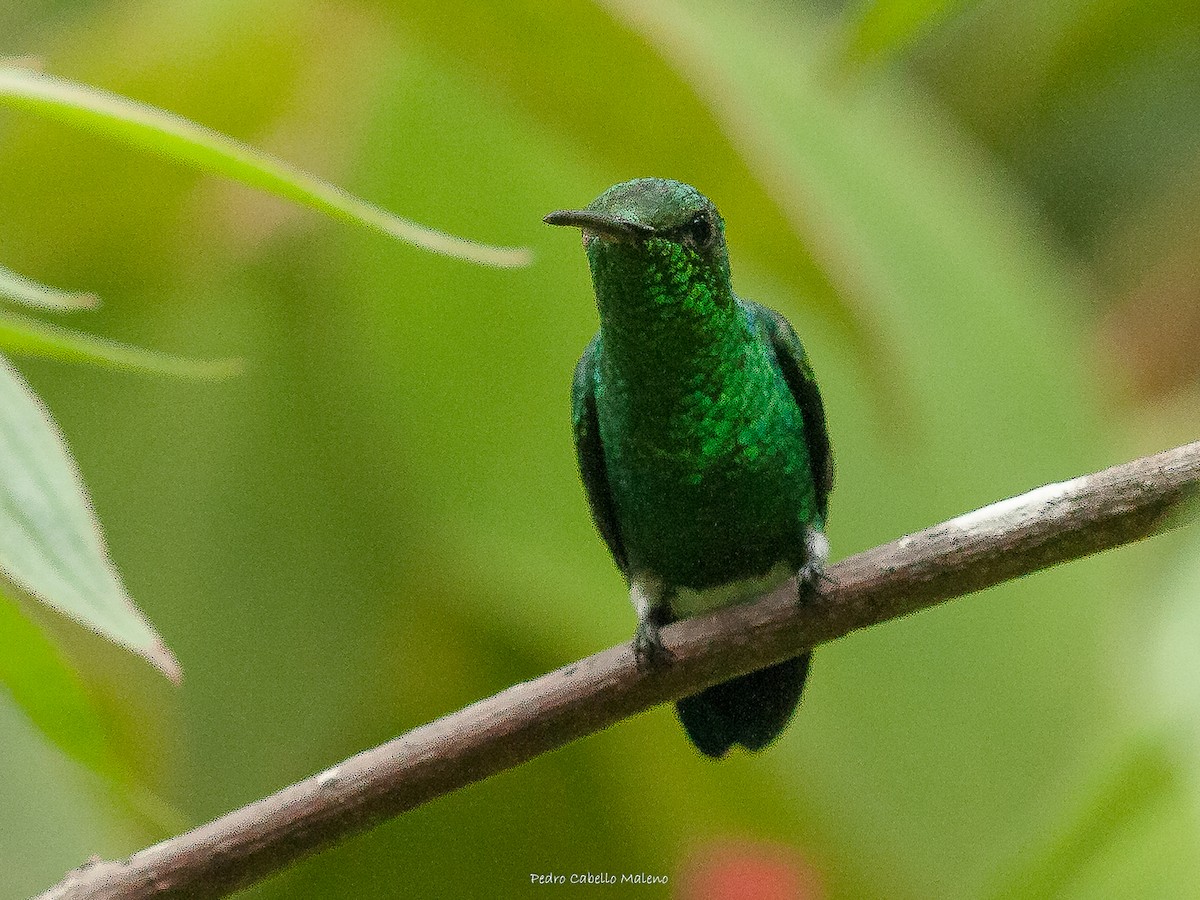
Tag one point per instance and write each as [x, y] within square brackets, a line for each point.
[980, 216]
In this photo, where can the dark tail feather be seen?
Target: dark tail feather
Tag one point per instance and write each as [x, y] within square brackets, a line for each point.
[751, 710]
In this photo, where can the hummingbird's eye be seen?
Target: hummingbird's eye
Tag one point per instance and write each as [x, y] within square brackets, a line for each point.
[700, 231]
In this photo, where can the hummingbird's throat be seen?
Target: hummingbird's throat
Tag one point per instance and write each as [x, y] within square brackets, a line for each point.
[657, 278]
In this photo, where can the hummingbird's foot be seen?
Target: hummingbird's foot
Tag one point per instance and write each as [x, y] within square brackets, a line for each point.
[812, 573]
[808, 581]
[649, 652]
[651, 600]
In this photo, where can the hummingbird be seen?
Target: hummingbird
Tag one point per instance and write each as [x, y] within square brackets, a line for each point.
[701, 441]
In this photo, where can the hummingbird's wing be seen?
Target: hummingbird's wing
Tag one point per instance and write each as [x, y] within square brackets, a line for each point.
[589, 451]
[789, 353]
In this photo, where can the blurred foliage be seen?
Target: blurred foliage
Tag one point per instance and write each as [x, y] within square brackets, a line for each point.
[886, 27]
[982, 231]
[51, 549]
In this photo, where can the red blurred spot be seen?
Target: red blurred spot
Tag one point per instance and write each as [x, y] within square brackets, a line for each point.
[745, 870]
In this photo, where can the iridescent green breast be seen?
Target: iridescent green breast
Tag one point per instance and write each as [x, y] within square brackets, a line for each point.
[707, 461]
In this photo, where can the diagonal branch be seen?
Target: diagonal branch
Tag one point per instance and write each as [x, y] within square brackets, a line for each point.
[1050, 525]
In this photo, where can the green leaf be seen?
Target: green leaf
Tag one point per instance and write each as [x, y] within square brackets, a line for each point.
[179, 139]
[55, 698]
[52, 547]
[53, 695]
[21, 334]
[24, 290]
[888, 26]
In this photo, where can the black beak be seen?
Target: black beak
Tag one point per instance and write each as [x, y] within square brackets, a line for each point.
[599, 223]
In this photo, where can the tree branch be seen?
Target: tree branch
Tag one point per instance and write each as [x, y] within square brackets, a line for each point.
[1050, 525]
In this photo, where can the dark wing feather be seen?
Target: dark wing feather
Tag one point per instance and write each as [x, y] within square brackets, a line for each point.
[589, 452]
[789, 353]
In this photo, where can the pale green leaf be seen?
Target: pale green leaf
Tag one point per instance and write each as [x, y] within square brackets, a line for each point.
[50, 542]
[174, 137]
[24, 290]
[23, 335]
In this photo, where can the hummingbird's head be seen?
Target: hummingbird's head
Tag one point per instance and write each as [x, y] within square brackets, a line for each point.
[655, 231]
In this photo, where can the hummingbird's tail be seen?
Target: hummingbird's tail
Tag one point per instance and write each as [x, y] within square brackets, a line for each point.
[750, 710]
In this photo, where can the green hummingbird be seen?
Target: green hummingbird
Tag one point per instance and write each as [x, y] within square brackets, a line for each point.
[701, 441]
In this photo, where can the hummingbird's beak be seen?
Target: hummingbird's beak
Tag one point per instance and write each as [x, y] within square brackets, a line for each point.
[599, 223]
